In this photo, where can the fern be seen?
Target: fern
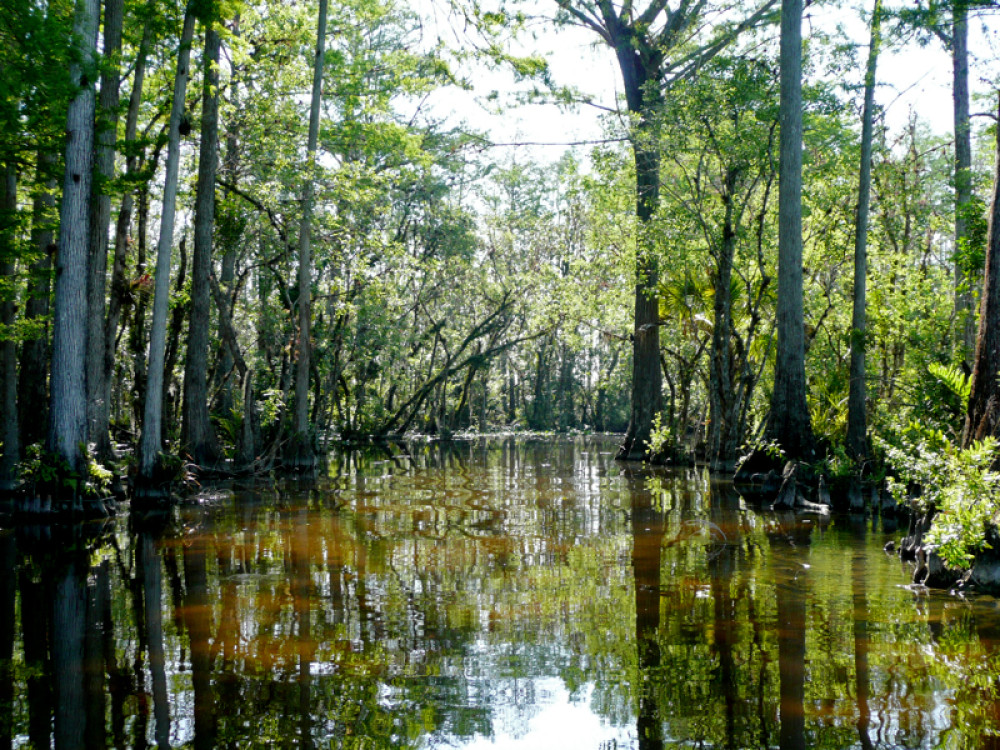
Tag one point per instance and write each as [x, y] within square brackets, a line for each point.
[952, 378]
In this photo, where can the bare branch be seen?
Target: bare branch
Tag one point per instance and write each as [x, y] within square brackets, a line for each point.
[688, 65]
[585, 19]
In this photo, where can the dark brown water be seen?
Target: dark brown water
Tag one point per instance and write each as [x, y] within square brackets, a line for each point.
[486, 595]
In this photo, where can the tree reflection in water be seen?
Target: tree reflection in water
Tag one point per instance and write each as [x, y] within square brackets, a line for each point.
[511, 595]
[148, 605]
[302, 595]
[36, 617]
[69, 603]
[789, 538]
[196, 613]
[723, 552]
[858, 524]
[8, 592]
[647, 542]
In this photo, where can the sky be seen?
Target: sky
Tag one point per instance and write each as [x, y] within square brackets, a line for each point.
[912, 79]
[556, 720]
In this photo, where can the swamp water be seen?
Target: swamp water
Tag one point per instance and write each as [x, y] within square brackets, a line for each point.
[486, 595]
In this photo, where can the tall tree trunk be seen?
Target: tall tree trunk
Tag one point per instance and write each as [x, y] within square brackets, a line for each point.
[177, 316]
[68, 413]
[511, 391]
[983, 417]
[9, 233]
[857, 429]
[302, 451]
[32, 388]
[640, 59]
[964, 275]
[9, 437]
[461, 418]
[721, 448]
[137, 323]
[197, 434]
[230, 234]
[484, 402]
[789, 423]
[105, 137]
[223, 380]
[119, 297]
[647, 380]
[248, 439]
[150, 443]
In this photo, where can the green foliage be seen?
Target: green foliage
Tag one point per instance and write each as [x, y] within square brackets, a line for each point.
[228, 428]
[941, 395]
[271, 407]
[456, 287]
[957, 383]
[836, 464]
[970, 256]
[50, 473]
[958, 486]
[828, 411]
[661, 438]
[770, 448]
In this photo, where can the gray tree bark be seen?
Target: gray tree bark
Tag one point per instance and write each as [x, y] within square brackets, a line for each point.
[230, 235]
[222, 382]
[10, 451]
[181, 311]
[983, 418]
[105, 137]
[33, 379]
[647, 379]
[150, 443]
[68, 413]
[963, 177]
[119, 283]
[197, 433]
[137, 329]
[857, 421]
[724, 417]
[789, 423]
[302, 449]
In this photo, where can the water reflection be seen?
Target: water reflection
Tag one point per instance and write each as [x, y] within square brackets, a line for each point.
[8, 592]
[788, 535]
[147, 597]
[722, 559]
[648, 529]
[513, 595]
